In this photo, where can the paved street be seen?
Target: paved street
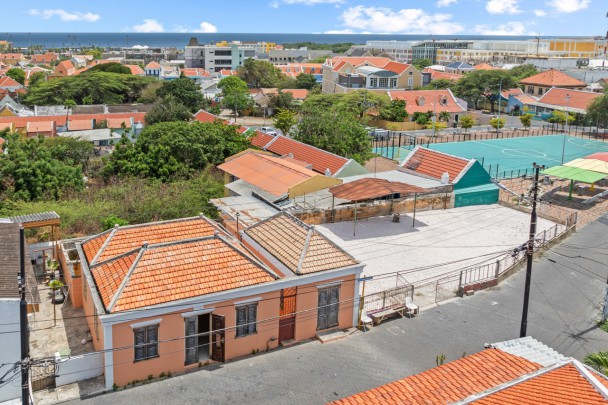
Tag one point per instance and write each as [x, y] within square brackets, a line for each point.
[565, 300]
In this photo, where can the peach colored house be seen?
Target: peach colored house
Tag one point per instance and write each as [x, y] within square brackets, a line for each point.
[167, 296]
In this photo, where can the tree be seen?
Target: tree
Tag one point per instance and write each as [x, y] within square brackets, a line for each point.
[112, 67]
[174, 150]
[69, 105]
[259, 73]
[560, 117]
[149, 93]
[282, 100]
[306, 81]
[523, 71]
[235, 94]
[17, 74]
[287, 82]
[355, 103]
[95, 52]
[444, 116]
[439, 84]
[36, 78]
[184, 90]
[526, 120]
[467, 122]
[111, 220]
[479, 84]
[34, 169]
[336, 132]
[167, 110]
[598, 361]
[284, 120]
[422, 63]
[597, 112]
[394, 111]
[497, 123]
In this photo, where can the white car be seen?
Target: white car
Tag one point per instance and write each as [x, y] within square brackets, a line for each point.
[269, 131]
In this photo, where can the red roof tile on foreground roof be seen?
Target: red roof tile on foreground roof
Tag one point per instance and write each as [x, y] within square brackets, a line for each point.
[156, 274]
[433, 163]
[449, 383]
[122, 239]
[553, 78]
[21, 122]
[318, 158]
[7, 81]
[260, 139]
[204, 116]
[370, 188]
[423, 100]
[297, 94]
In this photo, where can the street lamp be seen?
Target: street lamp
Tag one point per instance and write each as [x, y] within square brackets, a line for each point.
[567, 127]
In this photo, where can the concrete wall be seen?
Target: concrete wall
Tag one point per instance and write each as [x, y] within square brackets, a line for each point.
[78, 368]
[11, 346]
[92, 321]
[379, 208]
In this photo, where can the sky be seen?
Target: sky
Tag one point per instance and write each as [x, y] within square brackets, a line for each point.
[438, 17]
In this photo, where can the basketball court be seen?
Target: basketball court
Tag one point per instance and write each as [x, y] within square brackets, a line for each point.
[513, 156]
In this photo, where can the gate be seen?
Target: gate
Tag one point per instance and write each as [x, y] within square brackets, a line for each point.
[42, 375]
[287, 320]
[447, 287]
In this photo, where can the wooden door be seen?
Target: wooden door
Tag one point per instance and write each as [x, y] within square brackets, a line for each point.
[218, 324]
[287, 321]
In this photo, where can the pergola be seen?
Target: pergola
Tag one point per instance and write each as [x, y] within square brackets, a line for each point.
[372, 189]
[43, 219]
[575, 174]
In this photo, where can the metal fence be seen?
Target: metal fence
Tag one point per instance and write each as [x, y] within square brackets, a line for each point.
[385, 299]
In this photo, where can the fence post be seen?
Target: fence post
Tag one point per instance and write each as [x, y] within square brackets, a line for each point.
[544, 236]
[496, 170]
[460, 280]
[497, 268]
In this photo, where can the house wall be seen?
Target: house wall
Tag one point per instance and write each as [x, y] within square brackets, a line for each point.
[352, 168]
[89, 311]
[72, 275]
[475, 176]
[11, 346]
[307, 303]
[171, 327]
[313, 184]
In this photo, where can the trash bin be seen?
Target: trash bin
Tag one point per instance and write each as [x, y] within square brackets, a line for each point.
[396, 218]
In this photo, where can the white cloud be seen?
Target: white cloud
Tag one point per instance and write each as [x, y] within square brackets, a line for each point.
[510, 28]
[446, 3]
[149, 25]
[206, 27]
[540, 13]
[346, 31]
[65, 15]
[503, 6]
[408, 21]
[569, 6]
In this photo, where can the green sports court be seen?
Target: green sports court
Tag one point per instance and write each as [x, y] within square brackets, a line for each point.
[505, 158]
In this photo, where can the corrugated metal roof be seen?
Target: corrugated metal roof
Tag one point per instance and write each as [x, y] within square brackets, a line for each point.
[250, 209]
[42, 216]
[530, 349]
[397, 175]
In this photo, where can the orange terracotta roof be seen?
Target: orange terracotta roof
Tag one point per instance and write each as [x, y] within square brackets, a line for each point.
[228, 72]
[371, 188]
[396, 67]
[578, 98]
[204, 116]
[320, 159]
[153, 65]
[136, 70]
[484, 66]
[422, 100]
[45, 58]
[17, 56]
[80, 125]
[433, 163]
[4, 125]
[553, 78]
[450, 382]
[526, 98]
[40, 126]
[564, 385]
[195, 72]
[516, 91]
[300, 247]
[120, 240]
[273, 175]
[116, 123]
[436, 74]
[157, 274]
[298, 94]
[21, 122]
[7, 81]
[339, 61]
[260, 139]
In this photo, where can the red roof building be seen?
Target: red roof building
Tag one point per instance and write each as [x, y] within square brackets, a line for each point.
[434, 163]
[45, 58]
[540, 83]
[65, 68]
[575, 100]
[428, 100]
[297, 94]
[136, 70]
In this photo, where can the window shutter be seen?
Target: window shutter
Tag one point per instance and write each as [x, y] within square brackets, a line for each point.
[241, 320]
[252, 318]
[152, 341]
[333, 308]
[191, 346]
[140, 339]
[322, 310]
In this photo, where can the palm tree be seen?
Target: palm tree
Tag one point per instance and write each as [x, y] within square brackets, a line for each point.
[68, 105]
[598, 361]
[444, 116]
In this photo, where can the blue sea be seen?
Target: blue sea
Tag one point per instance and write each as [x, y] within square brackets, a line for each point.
[179, 40]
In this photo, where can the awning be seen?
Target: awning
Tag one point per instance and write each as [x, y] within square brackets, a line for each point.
[574, 173]
[368, 189]
[594, 165]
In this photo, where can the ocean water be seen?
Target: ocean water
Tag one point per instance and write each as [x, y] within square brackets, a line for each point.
[179, 40]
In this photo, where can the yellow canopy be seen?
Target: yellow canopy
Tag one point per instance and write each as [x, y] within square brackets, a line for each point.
[589, 164]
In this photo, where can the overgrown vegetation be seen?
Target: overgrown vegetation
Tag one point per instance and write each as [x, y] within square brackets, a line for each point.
[339, 47]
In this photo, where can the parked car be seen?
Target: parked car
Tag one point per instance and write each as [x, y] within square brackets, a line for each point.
[59, 296]
[269, 131]
[380, 134]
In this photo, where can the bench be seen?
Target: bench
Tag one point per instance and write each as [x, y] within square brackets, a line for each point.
[379, 316]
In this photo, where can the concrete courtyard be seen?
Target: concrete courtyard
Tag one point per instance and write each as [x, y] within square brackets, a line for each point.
[440, 243]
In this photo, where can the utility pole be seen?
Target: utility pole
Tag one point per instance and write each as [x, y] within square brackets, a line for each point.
[498, 117]
[25, 347]
[530, 252]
